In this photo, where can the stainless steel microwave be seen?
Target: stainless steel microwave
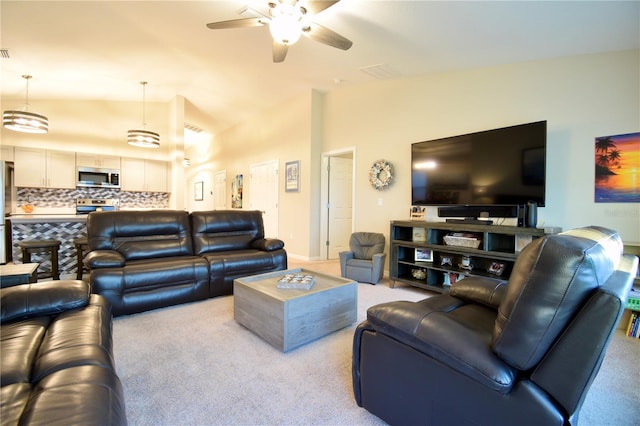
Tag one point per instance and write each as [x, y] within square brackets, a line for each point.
[98, 178]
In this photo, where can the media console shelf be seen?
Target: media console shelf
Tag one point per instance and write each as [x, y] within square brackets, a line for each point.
[418, 249]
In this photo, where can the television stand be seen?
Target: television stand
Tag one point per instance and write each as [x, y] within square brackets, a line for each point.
[421, 255]
[471, 221]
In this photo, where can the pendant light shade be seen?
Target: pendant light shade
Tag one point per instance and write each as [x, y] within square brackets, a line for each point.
[143, 138]
[24, 121]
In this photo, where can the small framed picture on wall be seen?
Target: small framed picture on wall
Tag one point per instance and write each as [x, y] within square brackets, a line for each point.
[292, 176]
[198, 191]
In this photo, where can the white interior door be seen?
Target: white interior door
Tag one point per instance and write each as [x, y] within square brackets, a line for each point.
[220, 190]
[340, 211]
[263, 194]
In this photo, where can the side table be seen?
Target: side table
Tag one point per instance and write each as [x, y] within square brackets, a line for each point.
[17, 273]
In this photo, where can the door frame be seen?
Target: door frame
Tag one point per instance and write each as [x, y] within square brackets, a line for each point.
[324, 195]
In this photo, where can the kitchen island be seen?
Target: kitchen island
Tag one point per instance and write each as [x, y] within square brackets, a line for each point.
[62, 227]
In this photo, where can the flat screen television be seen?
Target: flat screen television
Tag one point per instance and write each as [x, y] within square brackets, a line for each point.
[499, 167]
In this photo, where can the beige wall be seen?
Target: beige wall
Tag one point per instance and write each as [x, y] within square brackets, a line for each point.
[580, 97]
[94, 126]
[281, 134]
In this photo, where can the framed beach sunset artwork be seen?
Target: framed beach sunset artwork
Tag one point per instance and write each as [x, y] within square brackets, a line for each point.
[617, 162]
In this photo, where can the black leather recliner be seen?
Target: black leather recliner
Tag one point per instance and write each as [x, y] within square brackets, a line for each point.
[233, 244]
[56, 357]
[492, 353]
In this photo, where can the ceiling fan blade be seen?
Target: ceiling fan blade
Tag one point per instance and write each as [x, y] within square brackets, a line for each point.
[237, 23]
[279, 52]
[317, 6]
[326, 36]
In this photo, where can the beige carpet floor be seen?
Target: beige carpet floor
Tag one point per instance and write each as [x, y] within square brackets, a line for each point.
[194, 365]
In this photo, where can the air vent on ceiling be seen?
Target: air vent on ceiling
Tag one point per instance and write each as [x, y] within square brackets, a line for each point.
[380, 71]
[4, 53]
[193, 128]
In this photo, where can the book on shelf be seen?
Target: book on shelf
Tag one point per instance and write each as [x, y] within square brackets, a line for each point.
[633, 326]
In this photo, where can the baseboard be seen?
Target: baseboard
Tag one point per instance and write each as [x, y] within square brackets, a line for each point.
[303, 258]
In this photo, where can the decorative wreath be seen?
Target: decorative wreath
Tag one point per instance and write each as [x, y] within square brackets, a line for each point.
[381, 174]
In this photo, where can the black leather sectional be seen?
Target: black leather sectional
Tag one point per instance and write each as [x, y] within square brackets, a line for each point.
[57, 364]
[142, 260]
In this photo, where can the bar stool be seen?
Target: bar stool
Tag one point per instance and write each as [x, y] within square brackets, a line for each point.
[81, 244]
[42, 246]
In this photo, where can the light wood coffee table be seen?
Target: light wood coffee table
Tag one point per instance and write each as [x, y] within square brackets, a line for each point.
[288, 318]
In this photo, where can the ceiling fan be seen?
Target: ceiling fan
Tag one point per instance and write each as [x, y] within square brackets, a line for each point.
[287, 21]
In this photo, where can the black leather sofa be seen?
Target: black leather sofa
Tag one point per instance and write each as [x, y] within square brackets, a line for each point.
[492, 353]
[57, 364]
[142, 260]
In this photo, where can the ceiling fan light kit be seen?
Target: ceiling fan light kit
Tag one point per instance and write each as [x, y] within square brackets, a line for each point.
[285, 29]
[143, 138]
[23, 120]
[288, 20]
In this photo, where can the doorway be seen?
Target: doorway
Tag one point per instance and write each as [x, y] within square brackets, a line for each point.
[220, 190]
[263, 193]
[336, 220]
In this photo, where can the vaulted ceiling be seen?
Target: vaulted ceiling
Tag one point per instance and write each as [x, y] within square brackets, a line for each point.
[101, 50]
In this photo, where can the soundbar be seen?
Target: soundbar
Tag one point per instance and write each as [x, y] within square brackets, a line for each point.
[470, 221]
[474, 212]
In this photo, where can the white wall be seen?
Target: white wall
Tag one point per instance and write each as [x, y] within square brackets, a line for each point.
[281, 134]
[580, 97]
[94, 126]
[100, 127]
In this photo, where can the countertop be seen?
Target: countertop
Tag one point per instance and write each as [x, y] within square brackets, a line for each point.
[47, 218]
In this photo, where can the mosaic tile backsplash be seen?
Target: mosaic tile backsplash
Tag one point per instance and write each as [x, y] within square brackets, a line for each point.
[52, 197]
[64, 232]
[42, 198]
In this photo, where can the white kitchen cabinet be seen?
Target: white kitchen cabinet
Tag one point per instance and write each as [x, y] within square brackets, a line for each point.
[6, 153]
[61, 172]
[132, 174]
[156, 175]
[143, 175]
[30, 167]
[39, 168]
[97, 160]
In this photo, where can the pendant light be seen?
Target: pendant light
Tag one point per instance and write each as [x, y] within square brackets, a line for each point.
[24, 121]
[143, 138]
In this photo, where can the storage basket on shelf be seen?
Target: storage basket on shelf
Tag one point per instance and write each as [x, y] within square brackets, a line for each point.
[633, 303]
[462, 239]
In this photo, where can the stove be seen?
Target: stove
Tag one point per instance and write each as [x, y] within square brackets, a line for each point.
[88, 205]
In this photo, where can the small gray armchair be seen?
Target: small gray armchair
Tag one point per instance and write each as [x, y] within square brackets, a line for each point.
[365, 261]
